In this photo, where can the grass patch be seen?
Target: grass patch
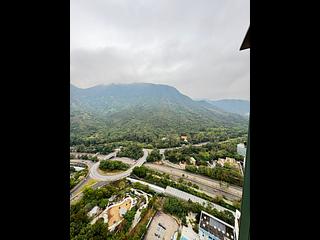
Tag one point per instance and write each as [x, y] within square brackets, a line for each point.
[109, 172]
[89, 183]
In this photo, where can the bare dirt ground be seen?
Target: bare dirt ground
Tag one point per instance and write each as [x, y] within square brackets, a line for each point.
[114, 212]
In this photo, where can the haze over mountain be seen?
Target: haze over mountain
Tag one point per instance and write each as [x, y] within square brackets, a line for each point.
[238, 106]
[129, 108]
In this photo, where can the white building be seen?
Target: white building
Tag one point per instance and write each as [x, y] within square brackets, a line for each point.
[192, 161]
[237, 224]
[93, 212]
[241, 149]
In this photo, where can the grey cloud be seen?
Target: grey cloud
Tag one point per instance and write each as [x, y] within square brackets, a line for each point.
[191, 45]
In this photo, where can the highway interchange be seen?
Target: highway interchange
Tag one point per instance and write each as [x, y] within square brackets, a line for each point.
[207, 185]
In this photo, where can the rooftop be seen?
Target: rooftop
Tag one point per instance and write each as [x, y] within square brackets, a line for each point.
[216, 227]
[183, 195]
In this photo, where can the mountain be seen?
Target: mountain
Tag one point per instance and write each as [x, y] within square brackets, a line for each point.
[118, 111]
[241, 107]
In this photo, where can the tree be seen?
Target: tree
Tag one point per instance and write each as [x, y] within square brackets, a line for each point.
[131, 151]
[154, 156]
[122, 185]
[140, 172]
[113, 165]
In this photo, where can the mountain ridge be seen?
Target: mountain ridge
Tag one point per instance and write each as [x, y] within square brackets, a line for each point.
[155, 109]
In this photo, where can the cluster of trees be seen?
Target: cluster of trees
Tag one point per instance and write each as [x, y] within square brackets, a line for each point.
[106, 165]
[94, 148]
[205, 153]
[176, 156]
[80, 227]
[181, 209]
[155, 133]
[162, 179]
[154, 156]
[85, 157]
[143, 187]
[128, 218]
[218, 134]
[76, 177]
[131, 151]
[225, 174]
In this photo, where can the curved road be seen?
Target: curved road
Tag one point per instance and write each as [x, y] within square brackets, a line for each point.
[96, 175]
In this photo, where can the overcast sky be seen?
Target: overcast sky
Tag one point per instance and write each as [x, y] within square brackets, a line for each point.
[192, 45]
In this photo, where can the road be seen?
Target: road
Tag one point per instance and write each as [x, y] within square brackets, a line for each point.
[93, 171]
[205, 184]
[74, 190]
[103, 180]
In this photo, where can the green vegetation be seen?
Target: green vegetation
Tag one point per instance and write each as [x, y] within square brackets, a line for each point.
[140, 172]
[226, 174]
[147, 113]
[163, 180]
[154, 156]
[92, 143]
[94, 147]
[81, 229]
[88, 157]
[143, 187]
[128, 218]
[76, 177]
[131, 151]
[106, 165]
[205, 153]
[181, 209]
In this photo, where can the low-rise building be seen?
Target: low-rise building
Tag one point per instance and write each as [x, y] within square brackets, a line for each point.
[228, 160]
[94, 211]
[184, 138]
[212, 163]
[192, 161]
[212, 228]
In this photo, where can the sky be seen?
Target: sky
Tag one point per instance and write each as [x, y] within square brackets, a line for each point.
[192, 45]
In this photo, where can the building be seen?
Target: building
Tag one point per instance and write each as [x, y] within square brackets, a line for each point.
[228, 160]
[237, 224]
[212, 228]
[184, 138]
[192, 161]
[94, 211]
[241, 149]
[212, 163]
[173, 192]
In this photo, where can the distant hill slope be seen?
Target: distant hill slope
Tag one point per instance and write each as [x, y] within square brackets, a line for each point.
[241, 107]
[120, 110]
